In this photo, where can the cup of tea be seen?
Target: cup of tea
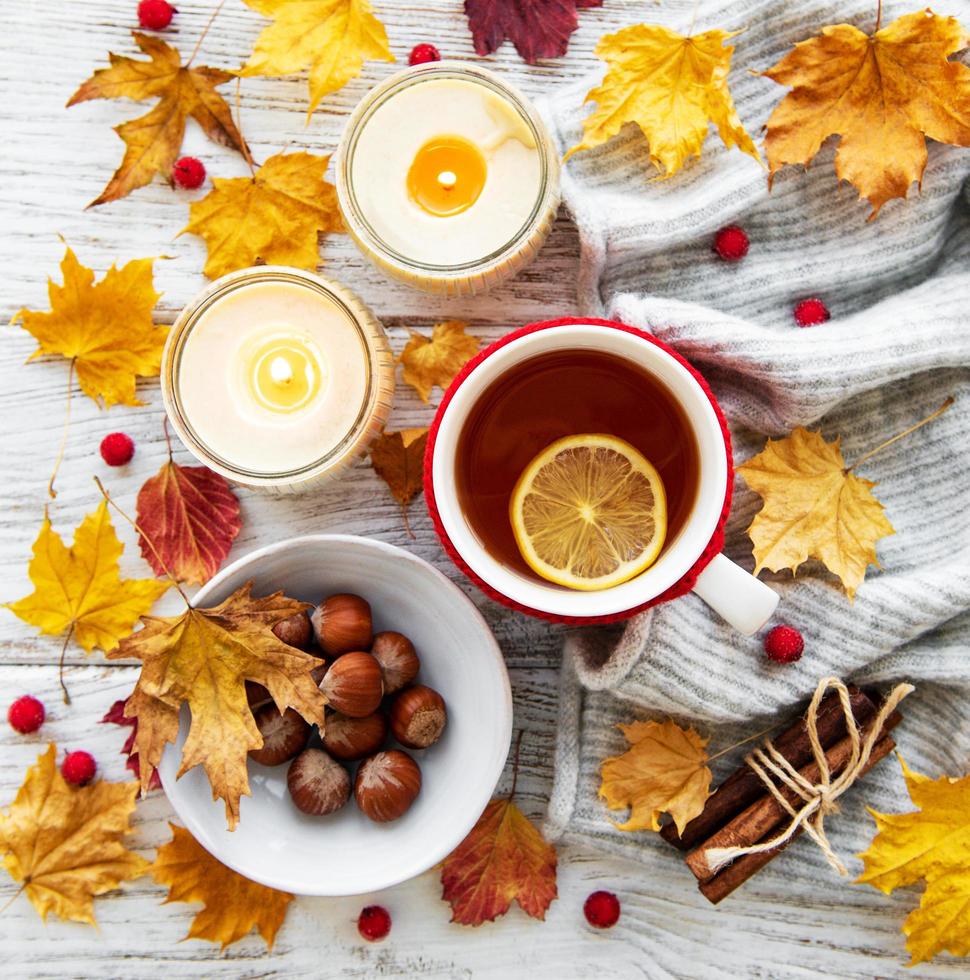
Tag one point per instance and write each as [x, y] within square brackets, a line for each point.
[593, 383]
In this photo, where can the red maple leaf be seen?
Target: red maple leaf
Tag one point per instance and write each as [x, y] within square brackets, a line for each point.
[537, 28]
[116, 716]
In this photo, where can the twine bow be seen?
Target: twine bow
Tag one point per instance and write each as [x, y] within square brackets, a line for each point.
[818, 799]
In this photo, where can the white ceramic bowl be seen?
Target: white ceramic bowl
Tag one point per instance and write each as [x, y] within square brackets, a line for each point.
[345, 853]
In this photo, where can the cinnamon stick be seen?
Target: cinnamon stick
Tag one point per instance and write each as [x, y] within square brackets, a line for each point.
[743, 787]
[737, 873]
[766, 815]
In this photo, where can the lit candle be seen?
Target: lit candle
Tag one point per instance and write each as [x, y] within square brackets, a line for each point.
[447, 178]
[277, 378]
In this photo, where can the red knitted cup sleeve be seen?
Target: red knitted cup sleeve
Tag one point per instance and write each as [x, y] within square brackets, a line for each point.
[680, 587]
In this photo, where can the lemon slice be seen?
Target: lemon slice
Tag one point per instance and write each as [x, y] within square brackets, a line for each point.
[589, 512]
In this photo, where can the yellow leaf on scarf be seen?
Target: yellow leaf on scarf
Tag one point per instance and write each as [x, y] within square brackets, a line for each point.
[333, 38]
[881, 94]
[105, 328]
[663, 771]
[931, 844]
[673, 87]
[65, 843]
[232, 906]
[80, 589]
[271, 217]
[435, 360]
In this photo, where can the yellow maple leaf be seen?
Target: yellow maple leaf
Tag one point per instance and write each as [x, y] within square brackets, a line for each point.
[232, 906]
[152, 142]
[203, 658]
[104, 328]
[930, 844]
[881, 94]
[65, 843]
[814, 507]
[333, 38]
[673, 87]
[663, 771]
[435, 360]
[80, 589]
[272, 217]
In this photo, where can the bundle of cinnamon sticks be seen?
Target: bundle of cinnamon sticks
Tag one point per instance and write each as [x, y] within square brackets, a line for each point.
[742, 812]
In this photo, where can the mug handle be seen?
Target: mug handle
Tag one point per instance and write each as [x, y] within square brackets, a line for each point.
[739, 598]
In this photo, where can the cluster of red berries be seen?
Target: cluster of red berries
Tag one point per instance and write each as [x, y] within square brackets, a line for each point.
[26, 715]
[732, 243]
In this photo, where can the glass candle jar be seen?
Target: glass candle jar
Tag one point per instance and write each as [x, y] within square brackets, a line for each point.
[447, 178]
[277, 378]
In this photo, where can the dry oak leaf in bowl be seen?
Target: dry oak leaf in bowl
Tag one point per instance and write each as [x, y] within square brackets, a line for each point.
[104, 328]
[435, 360]
[672, 86]
[65, 843]
[333, 38]
[538, 29]
[152, 142]
[232, 906]
[663, 771]
[272, 217]
[930, 844]
[203, 658]
[881, 94]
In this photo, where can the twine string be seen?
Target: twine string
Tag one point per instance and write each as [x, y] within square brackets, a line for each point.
[818, 799]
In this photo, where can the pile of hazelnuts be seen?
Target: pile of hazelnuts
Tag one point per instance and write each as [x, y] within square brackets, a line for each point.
[368, 681]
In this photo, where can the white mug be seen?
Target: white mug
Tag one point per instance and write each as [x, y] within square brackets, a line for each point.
[740, 598]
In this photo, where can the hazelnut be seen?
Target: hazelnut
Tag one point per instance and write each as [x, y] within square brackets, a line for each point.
[353, 684]
[319, 672]
[399, 663]
[295, 631]
[284, 735]
[318, 785]
[348, 738]
[418, 716]
[342, 623]
[386, 785]
[257, 695]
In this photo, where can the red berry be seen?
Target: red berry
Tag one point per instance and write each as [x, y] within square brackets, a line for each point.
[78, 768]
[784, 645]
[155, 15]
[731, 243]
[374, 923]
[26, 714]
[117, 449]
[602, 909]
[188, 173]
[421, 54]
[811, 312]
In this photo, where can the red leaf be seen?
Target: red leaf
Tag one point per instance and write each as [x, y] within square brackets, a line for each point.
[191, 516]
[537, 28]
[503, 858]
[116, 716]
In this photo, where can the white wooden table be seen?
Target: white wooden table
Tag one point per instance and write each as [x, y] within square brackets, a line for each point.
[53, 162]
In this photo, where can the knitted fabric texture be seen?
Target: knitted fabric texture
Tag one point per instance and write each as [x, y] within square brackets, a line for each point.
[897, 344]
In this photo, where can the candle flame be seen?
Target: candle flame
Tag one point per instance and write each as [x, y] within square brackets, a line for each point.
[280, 371]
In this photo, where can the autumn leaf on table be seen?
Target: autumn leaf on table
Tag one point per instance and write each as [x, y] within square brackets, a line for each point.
[881, 94]
[538, 29]
[333, 38]
[80, 589]
[398, 459]
[190, 517]
[232, 906]
[663, 771]
[673, 87]
[435, 360]
[931, 844]
[152, 141]
[65, 843]
[203, 658]
[104, 328]
[814, 507]
[271, 217]
[116, 716]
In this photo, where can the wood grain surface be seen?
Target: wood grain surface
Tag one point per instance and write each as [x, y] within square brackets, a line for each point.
[53, 162]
